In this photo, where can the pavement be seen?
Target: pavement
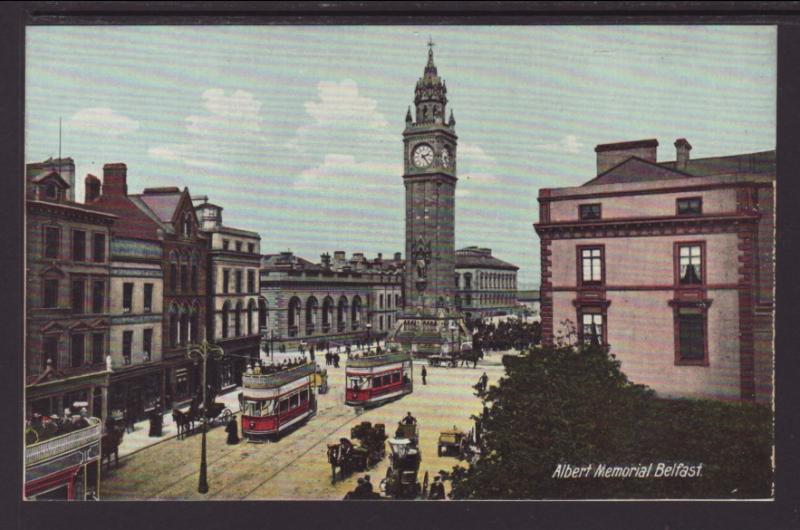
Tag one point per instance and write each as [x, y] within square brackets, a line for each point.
[295, 467]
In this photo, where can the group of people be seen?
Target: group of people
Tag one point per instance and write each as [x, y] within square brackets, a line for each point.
[332, 359]
[364, 489]
[287, 364]
[506, 335]
[42, 427]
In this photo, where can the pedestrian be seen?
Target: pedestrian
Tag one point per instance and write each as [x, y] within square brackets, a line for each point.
[129, 421]
[336, 360]
[424, 375]
[232, 429]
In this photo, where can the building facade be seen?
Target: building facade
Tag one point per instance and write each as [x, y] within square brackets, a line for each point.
[336, 301]
[67, 293]
[671, 264]
[166, 217]
[234, 259]
[485, 286]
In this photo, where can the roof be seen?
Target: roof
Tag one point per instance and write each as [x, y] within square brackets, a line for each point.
[758, 162]
[162, 204]
[287, 261]
[636, 169]
[480, 259]
[132, 221]
[51, 175]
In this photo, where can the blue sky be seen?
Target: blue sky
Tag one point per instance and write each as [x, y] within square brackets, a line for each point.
[296, 131]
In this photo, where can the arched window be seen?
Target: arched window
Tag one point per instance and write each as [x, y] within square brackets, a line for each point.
[251, 305]
[341, 314]
[327, 314]
[355, 310]
[311, 315]
[237, 320]
[226, 308]
[294, 316]
[262, 314]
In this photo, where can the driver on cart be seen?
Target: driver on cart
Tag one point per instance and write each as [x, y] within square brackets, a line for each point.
[409, 419]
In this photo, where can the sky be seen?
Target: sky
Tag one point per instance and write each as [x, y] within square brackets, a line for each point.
[296, 131]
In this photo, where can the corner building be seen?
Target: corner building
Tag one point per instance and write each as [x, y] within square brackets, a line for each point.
[670, 264]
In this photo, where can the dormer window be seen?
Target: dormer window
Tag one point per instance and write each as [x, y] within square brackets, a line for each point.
[51, 190]
[588, 212]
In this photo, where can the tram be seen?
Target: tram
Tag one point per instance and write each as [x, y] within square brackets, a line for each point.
[375, 379]
[273, 402]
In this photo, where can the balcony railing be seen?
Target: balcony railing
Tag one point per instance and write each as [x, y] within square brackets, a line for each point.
[277, 379]
[47, 449]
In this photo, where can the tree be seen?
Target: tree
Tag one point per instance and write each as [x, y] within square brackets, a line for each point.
[573, 406]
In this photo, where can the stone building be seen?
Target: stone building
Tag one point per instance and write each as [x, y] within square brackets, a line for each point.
[165, 216]
[234, 259]
[669, 263]
[337, 301]
[485, 286]
[67, 293]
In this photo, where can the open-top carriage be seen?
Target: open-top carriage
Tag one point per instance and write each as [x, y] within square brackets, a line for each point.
[348, 457]
[375, 379]
[451, 442]
[274, 402]
[401, 480]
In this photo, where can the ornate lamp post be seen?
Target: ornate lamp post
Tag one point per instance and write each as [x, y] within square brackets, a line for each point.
[202, 352]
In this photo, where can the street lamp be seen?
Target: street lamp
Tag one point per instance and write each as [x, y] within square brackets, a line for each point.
[369, 329]
[202, 352]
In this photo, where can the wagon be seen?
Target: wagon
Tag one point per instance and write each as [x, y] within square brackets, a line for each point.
[450, 442]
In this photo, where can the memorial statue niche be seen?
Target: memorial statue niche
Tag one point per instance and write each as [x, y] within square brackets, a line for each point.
[422, 256]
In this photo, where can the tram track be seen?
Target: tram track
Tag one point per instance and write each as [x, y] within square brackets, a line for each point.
[219, 458]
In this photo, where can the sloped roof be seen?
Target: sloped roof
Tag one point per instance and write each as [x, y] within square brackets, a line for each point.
[132, 221]
[466, 259]
[636, 169]
[760, 162]
[161, 204]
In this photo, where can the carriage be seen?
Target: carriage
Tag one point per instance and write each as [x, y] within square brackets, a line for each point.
[347, 457]
[375, 379]
[275, 402]
[186, 417]
[401, 480]
[451, 442]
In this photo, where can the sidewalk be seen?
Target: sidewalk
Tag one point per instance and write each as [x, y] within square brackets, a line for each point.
[137, 440]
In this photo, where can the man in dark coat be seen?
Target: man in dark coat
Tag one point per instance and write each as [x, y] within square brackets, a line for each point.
[232, 428]
[437, 490]
[336, 360]
[424, 374]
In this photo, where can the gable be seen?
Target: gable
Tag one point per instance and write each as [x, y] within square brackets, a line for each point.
[635, 169]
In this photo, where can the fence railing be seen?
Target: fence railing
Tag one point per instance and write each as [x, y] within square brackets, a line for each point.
[63, 444]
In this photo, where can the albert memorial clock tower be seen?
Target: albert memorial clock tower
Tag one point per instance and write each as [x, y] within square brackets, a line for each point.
[430, 323]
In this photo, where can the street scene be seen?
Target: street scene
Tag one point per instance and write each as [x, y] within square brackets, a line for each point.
[399, 263]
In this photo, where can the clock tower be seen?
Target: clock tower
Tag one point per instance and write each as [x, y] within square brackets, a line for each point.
[430, 323]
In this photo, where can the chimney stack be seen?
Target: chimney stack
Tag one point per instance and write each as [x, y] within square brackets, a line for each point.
[115, 179]
[682, 148]
[610, 155]
[326, 260]
[91, 189]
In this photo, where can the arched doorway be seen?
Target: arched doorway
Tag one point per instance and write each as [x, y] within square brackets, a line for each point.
[294, 316]
[355, 313]
[311, 315]
[341, 314]
[327, 314]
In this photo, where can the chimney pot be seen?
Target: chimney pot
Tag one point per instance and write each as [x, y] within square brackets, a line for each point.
[682, 148]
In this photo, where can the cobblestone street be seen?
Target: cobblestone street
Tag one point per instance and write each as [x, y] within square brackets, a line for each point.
[295, 467]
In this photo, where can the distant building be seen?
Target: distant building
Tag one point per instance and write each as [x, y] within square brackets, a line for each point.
[669, 263]
[485, 286]
[532, 303]
[233, 308]
[337, 300]
[65, 167]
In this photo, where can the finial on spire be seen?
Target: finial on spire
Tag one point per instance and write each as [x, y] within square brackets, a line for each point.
[408, 115]
[452, 120]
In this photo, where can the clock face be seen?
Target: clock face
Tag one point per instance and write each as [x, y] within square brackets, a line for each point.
[446, 159]
[423, 156]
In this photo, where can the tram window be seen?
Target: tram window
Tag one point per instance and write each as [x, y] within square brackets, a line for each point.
[284, 405]
[294, 400]
[395, 377]
[376, 382]
[251, 408]
[303, 396]
[353, 382]
[387, 379]
[267, 407]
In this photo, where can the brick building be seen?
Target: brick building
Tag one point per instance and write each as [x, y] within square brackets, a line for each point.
[669, 263]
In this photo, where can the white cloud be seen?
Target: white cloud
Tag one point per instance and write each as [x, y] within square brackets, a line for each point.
[476, 166]
[342, 172]
[567, 144]
[101, 120]
[228, 132]
[342, 120]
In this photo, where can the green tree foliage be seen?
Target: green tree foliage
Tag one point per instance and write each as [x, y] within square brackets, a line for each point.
[566, 406]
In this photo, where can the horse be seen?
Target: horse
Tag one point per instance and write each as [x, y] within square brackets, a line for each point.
[109, 445]
[339, 456]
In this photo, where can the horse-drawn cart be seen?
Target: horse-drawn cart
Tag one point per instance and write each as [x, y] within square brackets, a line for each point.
[451, 442]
